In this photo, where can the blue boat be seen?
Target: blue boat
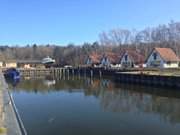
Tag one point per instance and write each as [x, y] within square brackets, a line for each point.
[12, 73]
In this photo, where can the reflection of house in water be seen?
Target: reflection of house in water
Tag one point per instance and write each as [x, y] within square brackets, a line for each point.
[135, 102]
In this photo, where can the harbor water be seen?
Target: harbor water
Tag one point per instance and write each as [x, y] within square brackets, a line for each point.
[85, 106]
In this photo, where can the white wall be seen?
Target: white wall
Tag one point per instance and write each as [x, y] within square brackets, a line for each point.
[89, 61]
[105, 62]
[159, 61]
[172, 65]
[127, 63]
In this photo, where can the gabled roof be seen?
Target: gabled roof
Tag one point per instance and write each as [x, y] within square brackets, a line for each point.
[167, 54]
[95, 58]
[112, 57]
[135, 56]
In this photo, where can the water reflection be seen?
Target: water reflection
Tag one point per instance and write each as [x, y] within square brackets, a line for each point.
[115, 98]
[128, 101]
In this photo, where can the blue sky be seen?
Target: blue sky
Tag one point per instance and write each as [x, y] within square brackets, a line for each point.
[76, 21]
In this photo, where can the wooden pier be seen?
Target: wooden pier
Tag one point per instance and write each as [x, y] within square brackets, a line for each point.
[42, 72]
[131, 77]
[119, 76]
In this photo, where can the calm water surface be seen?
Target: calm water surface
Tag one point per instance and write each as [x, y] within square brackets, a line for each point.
[84, 106]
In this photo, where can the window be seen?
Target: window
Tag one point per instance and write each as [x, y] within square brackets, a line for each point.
[126, 57]
[155, 56]
[169, 63]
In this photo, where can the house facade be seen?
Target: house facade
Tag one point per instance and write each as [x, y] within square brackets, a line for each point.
[131, 59]
[162, 58]
[1, 64]
[93, 60]
[110, 60]
[10, 64]
[30, 64]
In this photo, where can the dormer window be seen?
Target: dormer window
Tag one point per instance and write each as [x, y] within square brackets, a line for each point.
[155, 56]
[126, 57]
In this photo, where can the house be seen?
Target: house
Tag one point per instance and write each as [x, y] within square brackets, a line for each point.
[162, 58]
[1, 63]
[131, 59]
[93, 60]
[30, 64]
[10, 64]
[1, 60]
[110, 60]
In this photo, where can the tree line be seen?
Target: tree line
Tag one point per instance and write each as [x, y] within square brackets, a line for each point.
[115, 40]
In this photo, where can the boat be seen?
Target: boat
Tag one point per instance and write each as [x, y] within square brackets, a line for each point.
[12, 73]
[48, 60]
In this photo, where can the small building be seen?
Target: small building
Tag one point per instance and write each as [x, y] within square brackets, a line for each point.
[162, 58]
[1, 60]
[10, 64]
[110, 60]
[30, 64]
[131, 59]
[93, 60]
[1, 63]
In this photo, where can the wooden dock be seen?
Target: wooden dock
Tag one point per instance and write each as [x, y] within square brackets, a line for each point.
[40, 71]
[119, 76]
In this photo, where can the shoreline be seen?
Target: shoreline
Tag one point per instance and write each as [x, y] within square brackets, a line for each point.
[9, 117]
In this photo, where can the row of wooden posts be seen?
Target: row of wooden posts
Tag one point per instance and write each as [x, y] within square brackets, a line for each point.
[141, 79]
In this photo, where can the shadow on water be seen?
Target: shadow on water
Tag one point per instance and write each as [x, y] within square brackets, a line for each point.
[111, 97]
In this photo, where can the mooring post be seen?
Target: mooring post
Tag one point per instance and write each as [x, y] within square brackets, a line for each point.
[100, 74]
[79, 72]
[68, 73]
[91, 73]
[64, 73]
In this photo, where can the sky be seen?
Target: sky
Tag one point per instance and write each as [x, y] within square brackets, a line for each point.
[62, 22]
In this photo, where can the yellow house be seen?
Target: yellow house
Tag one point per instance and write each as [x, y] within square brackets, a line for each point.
[10, 64]
[1, 60]
[30, 64]
[1, 64]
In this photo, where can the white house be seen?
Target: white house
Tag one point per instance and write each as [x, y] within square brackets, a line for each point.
[131, 58]
[162, 58]
[110, 60]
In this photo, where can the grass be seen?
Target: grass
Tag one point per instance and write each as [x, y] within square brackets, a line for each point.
[3, 130]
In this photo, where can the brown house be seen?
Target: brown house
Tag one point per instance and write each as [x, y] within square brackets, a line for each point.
[93, 59]
[110, 59]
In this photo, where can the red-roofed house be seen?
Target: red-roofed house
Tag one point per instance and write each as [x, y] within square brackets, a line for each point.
[93, 59]
[110, 59]
[162, 58]
[132, 58]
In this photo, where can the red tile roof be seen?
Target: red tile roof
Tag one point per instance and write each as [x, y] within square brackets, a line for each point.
[95, 58]
[167, 54]
[135, 56]
[112, 57]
